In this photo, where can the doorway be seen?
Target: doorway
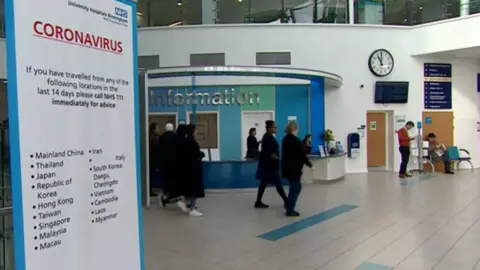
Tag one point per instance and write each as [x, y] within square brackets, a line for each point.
[162, 120]
[254, 119]
[376, 141]
[440, 123]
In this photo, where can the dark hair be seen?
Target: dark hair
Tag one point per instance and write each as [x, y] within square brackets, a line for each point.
[410, 123]
[431, 135]
[153, 126]
[269, 124]
[181, 130]
[190, 129]
[251, 131]
[307, 136]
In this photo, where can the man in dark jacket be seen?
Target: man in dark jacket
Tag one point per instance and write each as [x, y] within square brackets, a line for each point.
[168, 159]
[293, 159]
[153, 153]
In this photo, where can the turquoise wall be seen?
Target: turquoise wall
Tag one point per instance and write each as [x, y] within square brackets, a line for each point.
[284, 100]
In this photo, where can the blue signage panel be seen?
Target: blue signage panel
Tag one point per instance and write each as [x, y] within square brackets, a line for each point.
[438, 86]
[478, 82]
[428, 120]
[437, 70]
[438, 95]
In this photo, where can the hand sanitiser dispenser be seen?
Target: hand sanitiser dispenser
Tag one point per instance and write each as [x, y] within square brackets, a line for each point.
[353, 144]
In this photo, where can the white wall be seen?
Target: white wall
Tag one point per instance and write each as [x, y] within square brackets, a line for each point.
[453, 34]
[340, 49]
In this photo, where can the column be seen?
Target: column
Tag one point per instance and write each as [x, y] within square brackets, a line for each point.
[317, 113]
[351, 12]
[209, 11]
[464, 7]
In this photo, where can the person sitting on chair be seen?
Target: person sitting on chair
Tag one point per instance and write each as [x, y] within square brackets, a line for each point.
[438, 152]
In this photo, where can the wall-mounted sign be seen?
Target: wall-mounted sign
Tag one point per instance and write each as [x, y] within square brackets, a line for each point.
[400, 121]
[292, 119]
[437, 86]
[373, 125]
[227, 97]
[428, 120]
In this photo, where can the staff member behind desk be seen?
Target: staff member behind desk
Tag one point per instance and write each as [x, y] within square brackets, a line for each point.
[294, 157]
[404, 142]
[307, 143]
[438, 152]
[252, 145]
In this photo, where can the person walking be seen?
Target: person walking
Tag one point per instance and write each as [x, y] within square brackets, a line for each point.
[294, 157]
[153, 154]
[168, 164]
[252, 145]
[404, 142]
[268, 169]
[193, 172]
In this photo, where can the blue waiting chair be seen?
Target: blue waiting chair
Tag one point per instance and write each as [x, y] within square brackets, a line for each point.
[457, 156]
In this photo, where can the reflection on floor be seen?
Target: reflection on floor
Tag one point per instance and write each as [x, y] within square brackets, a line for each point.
[427, 222]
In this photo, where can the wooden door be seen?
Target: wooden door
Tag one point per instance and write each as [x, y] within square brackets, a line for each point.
[206, 129]
[376, 139]
[441, 124]
[162, 120]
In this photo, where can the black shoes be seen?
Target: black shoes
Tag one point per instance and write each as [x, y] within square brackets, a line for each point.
[261, 205]
[293, 214]
[449, 172]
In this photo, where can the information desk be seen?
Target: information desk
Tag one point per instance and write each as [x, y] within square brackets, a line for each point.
[325, 169]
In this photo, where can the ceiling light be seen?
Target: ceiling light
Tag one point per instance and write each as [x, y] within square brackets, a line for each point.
[139, 14]
[179, 3]
[420, 8]
[240, 1]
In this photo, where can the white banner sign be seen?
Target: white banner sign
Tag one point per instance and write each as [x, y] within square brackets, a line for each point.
[73, 111]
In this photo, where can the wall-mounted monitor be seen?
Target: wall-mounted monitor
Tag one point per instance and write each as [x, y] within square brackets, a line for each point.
[391, 92]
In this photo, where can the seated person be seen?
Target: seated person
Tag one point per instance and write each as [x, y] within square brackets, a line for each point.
[438, 152]
[307, 144]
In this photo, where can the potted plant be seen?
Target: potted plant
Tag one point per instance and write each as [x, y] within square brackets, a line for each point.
[329, 138]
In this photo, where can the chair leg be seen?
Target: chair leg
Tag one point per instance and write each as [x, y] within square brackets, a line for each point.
[431, 166]
[471, 165]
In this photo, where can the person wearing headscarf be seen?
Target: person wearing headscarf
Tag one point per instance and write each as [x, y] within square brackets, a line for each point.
[168, 163]
[268, 169]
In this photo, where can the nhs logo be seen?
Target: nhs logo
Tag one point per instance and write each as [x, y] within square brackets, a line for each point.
[121, 12]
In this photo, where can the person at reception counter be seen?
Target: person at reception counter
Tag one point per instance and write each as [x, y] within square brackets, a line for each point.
[168, 148]
[294, 157]
[404, 142]
[153, 154]
[268, 168]
[252, 145]
[307, 143]
[438, 152]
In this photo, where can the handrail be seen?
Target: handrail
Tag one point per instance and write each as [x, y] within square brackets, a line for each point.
[5, 211]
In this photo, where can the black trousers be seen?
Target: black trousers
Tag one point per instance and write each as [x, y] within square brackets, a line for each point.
[405, 153]
[278, 185]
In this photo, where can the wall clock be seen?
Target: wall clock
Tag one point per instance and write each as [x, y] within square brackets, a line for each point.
[381, 63]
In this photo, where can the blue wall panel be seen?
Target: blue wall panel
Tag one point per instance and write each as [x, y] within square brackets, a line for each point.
[317, 113]
[291, 100]
[162, 107]
[205, 89]
[230, 132]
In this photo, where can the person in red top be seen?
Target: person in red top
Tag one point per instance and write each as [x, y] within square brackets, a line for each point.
[404, 142]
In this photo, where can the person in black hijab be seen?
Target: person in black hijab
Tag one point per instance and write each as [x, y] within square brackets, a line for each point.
[268, 170]
[294, 157]
[168, 163]
[252, 145]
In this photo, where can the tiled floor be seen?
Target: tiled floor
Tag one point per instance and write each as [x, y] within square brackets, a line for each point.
[430, 222]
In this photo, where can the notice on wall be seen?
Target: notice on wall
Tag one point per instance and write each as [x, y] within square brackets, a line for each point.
[437, 86]
[73, 100]
[400, 121]
[373, 125]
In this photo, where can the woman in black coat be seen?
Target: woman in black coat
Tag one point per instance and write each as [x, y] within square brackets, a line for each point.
[252, 145]
[268, 170]
[193, 171]
[294, 157]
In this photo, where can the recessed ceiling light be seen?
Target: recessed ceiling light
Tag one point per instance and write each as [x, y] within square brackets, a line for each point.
[179, 3]
[240, 1]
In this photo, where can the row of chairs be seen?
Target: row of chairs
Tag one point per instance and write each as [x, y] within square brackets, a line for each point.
[455, 155]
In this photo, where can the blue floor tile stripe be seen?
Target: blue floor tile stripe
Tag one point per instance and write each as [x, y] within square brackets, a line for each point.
[305, 223]
[372, 266]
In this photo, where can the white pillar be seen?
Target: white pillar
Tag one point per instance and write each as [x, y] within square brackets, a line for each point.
[351, 12]
[464, 8]
[209, 11]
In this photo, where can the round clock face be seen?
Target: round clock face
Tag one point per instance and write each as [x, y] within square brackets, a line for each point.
[381, 63]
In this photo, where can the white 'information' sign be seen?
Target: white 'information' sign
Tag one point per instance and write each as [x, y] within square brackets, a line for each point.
[73, 108]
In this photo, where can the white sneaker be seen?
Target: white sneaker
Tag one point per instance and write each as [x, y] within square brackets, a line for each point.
[195, 213]
[181, 204]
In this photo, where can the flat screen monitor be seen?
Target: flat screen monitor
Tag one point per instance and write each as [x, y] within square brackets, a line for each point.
[391, 92]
